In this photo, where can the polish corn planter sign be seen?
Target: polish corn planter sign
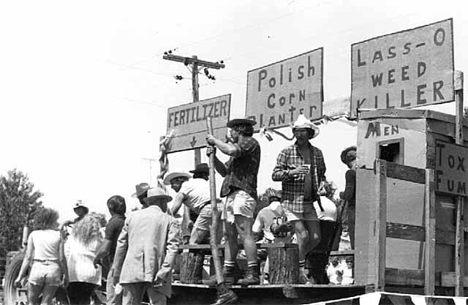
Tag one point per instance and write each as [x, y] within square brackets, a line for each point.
[403, 70]
[451, 173]
[188, 122]
[278, 93]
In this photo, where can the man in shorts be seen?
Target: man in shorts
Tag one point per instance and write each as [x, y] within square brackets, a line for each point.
[240, 189]
[301, 169]
[194, 194]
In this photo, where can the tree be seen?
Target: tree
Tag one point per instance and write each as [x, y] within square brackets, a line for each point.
[18, 203]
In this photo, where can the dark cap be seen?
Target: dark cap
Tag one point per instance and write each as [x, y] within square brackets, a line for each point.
[201, 168]
[245, 121]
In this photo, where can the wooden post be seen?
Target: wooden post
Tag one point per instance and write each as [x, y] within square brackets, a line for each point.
[380, 224]
[214, 213]
[460, 226]
[430, 226]
[284, 264]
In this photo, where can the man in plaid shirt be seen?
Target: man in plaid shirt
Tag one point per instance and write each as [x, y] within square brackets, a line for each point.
[301, 169]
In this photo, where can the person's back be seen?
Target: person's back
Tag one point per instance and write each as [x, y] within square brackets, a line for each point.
[147, 230]
[146, 251]
[46, 244]
[197, 192]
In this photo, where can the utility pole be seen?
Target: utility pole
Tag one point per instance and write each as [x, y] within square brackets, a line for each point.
[196, 64]
[150, 161]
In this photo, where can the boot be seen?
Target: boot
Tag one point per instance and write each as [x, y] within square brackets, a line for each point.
[251, 277]
[225, 295]
[225, 298]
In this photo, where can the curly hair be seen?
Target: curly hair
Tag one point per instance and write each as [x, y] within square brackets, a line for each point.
[244, 129]
[46, 219]
[87, 229]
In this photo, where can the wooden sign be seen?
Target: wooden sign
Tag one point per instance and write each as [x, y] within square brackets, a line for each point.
[278, 93]
[403, 70]
[189, 122]
[451, 171]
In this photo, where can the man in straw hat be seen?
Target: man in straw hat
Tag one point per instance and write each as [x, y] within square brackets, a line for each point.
[301, 169]
[146, 250]
[348, 157]
[240, 189]
[195, 195]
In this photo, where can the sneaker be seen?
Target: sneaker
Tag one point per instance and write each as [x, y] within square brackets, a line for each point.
[226, 298]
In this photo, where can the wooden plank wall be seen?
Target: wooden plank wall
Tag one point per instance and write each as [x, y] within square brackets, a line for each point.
[384, 229]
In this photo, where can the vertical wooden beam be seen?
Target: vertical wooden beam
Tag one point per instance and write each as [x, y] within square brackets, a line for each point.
[196, 99]
[430, 226]
[459, 236]
[380, 224]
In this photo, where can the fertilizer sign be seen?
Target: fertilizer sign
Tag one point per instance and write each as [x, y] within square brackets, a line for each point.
[188, 122]
[451, 171]
[278, 93]
[403, 70]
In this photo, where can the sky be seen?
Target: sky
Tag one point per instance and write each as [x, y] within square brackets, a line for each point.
[84, 90]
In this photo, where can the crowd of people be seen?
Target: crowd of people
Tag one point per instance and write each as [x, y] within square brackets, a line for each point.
[136, 252]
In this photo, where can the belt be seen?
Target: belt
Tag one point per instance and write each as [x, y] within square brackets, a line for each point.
[204, 204]
[46, 260]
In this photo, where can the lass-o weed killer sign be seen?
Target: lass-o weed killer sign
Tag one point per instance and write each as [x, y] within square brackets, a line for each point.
[403, 70]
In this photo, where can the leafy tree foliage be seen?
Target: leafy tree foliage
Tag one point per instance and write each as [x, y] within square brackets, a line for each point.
[18, 204]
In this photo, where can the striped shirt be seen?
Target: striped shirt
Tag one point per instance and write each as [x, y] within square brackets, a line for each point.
[293, 187]
[80, 261]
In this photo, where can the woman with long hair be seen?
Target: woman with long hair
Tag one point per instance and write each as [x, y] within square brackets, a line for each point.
[45, 251]
[82, 246]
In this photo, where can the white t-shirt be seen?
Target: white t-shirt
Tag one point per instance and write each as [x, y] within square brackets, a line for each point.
[333, 277]
[197, 193]
[46, 244]
[329, 209]
[265, 219]
[347, 276]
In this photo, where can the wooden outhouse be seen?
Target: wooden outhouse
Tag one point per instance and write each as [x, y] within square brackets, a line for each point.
[398, 206]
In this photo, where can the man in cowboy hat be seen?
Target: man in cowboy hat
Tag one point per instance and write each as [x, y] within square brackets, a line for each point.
[146, 250]
[301, 169]
[240, 189]
[141, 193]
[195, 195]
[348, 157]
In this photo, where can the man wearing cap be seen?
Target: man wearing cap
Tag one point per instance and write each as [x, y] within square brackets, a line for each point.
[195, 195]
[146, 250]
[240, 189]
[301, 169]
[348, 157]
[81, 209]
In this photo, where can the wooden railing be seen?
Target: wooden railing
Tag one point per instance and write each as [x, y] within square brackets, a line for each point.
[384, 229]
